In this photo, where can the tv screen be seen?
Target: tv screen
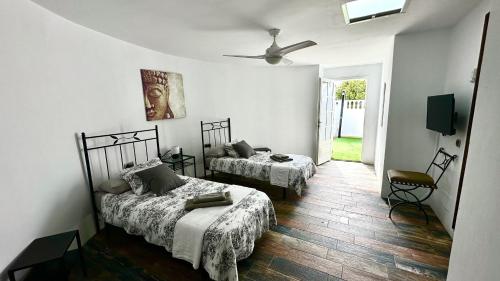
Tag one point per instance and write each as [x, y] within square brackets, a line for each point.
[441, 114]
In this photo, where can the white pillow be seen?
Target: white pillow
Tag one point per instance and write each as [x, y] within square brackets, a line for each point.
[135, 181]
[228, 147]
[114, 186]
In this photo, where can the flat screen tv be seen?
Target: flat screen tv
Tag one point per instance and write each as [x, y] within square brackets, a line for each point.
[441, 114]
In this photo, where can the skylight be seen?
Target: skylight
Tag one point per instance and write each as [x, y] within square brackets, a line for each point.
[361, 10]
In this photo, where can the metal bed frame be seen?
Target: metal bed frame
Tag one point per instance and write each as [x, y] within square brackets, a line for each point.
[122, 141]
[212, 132]
[218, 133]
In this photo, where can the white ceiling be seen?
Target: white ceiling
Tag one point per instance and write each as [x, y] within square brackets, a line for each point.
[206, 29]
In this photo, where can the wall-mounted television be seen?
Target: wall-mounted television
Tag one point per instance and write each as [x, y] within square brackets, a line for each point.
[441, 114]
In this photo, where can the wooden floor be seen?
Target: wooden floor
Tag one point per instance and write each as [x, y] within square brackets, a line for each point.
[338, 230]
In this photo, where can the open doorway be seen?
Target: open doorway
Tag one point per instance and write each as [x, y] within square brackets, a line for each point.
[348, 119]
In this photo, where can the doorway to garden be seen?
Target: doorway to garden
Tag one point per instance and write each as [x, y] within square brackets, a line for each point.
[348, 120]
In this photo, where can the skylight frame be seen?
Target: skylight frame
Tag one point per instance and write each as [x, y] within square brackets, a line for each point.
[371, 16]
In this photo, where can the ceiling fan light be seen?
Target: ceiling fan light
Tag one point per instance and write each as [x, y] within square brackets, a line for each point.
[273, 60]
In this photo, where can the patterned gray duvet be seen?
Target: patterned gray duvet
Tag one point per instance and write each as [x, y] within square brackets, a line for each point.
[259, 167]
[229, 239]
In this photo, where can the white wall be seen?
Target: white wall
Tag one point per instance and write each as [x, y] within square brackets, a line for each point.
[475, 253]
[353, 119]
[372, 73]
[419, 67]
[383, 116]
[463, 56]
[58, 79]
[425, 64]
[274, 107]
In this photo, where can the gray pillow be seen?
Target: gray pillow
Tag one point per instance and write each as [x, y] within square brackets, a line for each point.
[114, 186]
[216, 152]
[160, 179]
[243, 149]
[228, 147]
[133, 180]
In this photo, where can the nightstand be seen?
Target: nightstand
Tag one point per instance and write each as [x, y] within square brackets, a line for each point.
[46, 249]
[262, 149]
[181, 162]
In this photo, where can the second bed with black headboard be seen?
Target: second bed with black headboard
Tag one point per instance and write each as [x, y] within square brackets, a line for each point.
[228, 238]
[216, 136]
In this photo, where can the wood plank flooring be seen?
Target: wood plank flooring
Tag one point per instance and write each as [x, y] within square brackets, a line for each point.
[338, 230]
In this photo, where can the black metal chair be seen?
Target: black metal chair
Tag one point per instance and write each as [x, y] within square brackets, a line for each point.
[404, 184]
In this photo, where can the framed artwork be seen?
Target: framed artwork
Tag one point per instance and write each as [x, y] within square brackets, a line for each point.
[163, 95]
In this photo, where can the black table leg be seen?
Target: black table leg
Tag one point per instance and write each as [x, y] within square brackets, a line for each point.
[182, 167]
[12, 276]
[80, 253]
[194, 165]
[64, 270]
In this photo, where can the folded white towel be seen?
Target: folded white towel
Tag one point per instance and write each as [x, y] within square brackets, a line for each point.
[279, 174]
[190, 229]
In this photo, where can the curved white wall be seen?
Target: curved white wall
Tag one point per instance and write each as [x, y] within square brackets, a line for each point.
[58, 79]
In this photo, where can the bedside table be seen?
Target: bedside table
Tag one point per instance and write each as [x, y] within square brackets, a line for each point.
[264, 149]
[181, 162]
[47, 249]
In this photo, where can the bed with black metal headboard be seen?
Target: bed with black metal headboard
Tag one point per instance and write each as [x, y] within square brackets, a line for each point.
[212, 134]
[125, 144]
[260, 166]
[231, 234]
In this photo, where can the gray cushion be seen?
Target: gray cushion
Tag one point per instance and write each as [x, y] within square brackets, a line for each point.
[160, 179]
[243, 149]
[216, 152]
[114, 186]
[133, 180]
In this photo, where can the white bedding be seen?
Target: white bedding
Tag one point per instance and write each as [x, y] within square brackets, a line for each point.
[279, 174]
[190, 229]
[228, 239]
[260, 166]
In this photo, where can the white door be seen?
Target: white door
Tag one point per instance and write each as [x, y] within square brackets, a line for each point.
[326, 107]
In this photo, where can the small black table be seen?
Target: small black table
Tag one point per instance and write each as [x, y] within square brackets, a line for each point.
[181, 162]
[47, 249]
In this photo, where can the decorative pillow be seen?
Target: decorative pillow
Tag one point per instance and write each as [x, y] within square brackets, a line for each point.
[160, 179]
[243, 149]
[216, 152]
[129, 175]
[228, 147]
[114, 186]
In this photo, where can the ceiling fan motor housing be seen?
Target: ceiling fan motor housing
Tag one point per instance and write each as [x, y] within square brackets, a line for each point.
[273, 60]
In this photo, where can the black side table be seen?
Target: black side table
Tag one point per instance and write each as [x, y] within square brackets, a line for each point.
[181, 162]
[264, 149]
[47, 249]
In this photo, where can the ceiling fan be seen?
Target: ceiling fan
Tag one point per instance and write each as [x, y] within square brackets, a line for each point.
[275, 54]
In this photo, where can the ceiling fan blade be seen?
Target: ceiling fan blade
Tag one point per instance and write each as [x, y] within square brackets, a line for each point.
[296, 47]
[286, 61]
[246, 57]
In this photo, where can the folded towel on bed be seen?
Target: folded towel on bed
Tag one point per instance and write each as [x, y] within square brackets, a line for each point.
[280, 159]
[279, 174]
[190, 229]
[209, 197]
[280, 156]
[191, 204]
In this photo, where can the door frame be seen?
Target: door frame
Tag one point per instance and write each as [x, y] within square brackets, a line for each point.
[471, 118]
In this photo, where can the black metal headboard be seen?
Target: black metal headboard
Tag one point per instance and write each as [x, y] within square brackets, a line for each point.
[117, 143]
[214, 133]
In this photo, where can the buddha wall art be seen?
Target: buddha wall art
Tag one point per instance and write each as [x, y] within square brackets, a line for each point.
[163, 95]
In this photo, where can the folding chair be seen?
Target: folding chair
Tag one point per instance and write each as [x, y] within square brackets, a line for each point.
[405, 184]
